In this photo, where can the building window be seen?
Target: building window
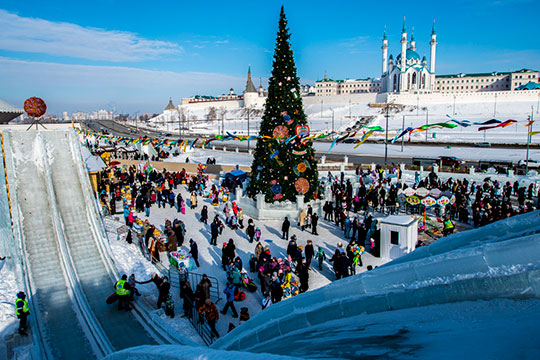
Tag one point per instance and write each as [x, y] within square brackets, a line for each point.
[394, 237]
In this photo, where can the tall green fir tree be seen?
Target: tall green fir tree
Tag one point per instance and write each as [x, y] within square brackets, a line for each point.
[284, 163]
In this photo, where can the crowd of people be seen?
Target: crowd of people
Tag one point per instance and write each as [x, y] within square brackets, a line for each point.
[351, 211]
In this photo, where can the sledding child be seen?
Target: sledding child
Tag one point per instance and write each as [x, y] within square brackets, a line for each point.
[258, 234]
[169, 306]
[320, 256]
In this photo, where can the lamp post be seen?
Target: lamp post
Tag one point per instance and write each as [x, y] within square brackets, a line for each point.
[454, 110]
[248, 113]
[495, 106]
[529, 129]
[179, 123]
[321, 108]
[402, 129]
[386, 137]
[332, 110]
[349, 110]
[427, 121]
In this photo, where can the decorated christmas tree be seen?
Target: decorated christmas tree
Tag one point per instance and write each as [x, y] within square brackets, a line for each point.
[284, 163]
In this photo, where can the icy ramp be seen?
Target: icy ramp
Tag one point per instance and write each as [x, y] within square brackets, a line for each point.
[66, 262]
[476, 289]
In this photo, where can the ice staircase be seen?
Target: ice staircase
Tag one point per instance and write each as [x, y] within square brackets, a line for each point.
[67, 261]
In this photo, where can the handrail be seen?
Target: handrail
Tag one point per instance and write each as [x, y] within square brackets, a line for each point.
[198, 321]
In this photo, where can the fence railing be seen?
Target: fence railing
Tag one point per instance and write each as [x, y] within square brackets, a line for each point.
[198, 321]
[175, 278]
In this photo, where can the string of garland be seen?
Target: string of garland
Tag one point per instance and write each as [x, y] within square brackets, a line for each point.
[339, 136]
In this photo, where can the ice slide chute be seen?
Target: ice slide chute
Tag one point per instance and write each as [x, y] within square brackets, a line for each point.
[67, 261]
[39, 229]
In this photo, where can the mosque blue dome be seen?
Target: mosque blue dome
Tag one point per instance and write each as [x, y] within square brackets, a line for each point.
[411, 54]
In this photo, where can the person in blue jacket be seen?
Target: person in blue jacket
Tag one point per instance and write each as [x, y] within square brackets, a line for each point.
[229, 291]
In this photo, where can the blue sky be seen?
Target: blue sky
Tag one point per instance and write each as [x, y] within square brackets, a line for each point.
[134, 55]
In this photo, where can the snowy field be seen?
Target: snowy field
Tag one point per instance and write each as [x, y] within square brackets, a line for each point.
[210, 256]
[344, 116]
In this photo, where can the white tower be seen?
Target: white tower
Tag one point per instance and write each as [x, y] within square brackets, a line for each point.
[413, 42]
[433, 45]
[384, 52]
[250, 93]
[403, 65]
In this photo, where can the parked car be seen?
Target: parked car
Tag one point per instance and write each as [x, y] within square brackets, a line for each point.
[483, 144]
[450, 161]
[533, 164]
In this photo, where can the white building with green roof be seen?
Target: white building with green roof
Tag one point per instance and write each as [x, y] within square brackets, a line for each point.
[481, 82]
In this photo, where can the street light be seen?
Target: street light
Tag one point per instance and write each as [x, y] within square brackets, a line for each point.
[248, 113]
[179, 122]
[495, 106]
[529, 130]
[454, 110]
[427, 121]
[386, 138]
[332, 110]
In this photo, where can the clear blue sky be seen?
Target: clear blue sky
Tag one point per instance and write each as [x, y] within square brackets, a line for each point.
[81, 56]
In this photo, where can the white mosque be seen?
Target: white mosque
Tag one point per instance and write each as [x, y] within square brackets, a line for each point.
[409, 73]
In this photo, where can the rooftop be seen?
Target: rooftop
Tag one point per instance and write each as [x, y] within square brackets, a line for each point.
[494, 73]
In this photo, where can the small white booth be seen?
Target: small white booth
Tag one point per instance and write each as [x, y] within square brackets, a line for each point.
[399, 234]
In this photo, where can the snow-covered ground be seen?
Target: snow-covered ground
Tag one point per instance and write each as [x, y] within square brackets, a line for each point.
[222, 157]
[132, 261]
[322, 117]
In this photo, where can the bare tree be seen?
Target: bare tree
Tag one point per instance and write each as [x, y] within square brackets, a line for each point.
[212, 114]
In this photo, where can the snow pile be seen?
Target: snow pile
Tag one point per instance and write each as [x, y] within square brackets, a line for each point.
[395, 305]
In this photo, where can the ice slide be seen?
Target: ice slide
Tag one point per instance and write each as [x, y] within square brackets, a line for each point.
[470, 295]
[67, 263]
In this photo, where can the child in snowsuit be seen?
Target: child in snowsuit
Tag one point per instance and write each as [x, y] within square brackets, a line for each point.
[258, 234]
[169, 306]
